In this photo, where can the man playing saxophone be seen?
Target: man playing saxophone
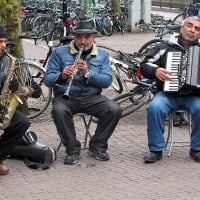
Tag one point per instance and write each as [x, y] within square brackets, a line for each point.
[13, 133]
[81, 78]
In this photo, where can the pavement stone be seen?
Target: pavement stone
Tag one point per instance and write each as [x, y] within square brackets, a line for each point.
[124, 177]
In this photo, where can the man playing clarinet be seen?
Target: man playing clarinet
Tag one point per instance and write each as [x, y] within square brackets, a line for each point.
[78, 72]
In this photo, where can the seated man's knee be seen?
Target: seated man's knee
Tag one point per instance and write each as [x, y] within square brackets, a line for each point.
[155, 107]
[58, 110]
[116, 109]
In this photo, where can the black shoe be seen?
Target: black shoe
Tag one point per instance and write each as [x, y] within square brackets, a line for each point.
[99, 155]
[153, 156]
[71, 159]
[195, 155]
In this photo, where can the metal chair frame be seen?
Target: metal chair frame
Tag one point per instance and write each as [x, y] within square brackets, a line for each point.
[170, 137]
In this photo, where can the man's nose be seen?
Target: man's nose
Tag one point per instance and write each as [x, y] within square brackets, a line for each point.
[193, 29]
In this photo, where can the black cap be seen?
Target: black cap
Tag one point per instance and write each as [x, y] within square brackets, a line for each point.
[84, 27]
[3, 33]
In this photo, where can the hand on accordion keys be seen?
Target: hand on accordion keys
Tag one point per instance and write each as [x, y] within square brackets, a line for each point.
[163, 74]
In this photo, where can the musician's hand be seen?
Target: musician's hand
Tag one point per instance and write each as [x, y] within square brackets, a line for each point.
[67, 72]
[82, 66]
[163, 74]
[14, 85]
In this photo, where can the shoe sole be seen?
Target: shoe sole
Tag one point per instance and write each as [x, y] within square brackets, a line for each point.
[90, 153]
[71, 163]
[152, 161]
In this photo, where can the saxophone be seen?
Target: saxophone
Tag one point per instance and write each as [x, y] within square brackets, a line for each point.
[8, 100]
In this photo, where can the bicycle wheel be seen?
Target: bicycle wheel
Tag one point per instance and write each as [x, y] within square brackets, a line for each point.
[56, 35]
[116, 83]
[178, 19]
[112, 52]
[38, 21]
[107, 26]
[130, 102]
[148, 46]
[123, 23]
[29, 73]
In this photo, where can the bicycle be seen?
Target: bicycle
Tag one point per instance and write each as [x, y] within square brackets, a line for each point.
[43, 27]
[141, 90]
[137, 89]
[127, 59]
[160, 29]
[102, 21]
[120, 20]
[191, 9]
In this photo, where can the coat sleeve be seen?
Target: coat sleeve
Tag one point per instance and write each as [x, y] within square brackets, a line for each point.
[53, 70]
[152, 61]
[103, 78]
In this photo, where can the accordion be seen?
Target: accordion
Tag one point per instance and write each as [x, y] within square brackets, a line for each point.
[184, 68]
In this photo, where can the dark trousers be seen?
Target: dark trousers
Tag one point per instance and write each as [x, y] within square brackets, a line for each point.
[106, 110]
[13, 134]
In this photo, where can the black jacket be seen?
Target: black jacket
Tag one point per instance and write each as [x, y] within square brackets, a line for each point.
[158, 58]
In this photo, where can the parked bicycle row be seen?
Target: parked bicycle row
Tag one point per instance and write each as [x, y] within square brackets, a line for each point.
[161, 26]
[53, 20]
[58, 19]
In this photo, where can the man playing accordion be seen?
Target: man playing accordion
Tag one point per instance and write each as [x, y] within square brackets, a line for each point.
[181, 96]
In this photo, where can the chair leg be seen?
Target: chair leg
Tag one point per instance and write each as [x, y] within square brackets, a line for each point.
[87, 131]
[58, 148]
[170, 136]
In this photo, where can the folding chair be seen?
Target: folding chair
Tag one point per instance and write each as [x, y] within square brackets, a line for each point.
[170, 136]
[87, 123]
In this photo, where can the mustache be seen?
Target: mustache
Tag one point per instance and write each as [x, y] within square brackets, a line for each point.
[85, 48]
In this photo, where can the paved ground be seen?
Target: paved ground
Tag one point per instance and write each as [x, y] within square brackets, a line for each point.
[124, 177]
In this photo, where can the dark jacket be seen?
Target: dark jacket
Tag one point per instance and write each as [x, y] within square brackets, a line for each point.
[4, 66]
[158, 58]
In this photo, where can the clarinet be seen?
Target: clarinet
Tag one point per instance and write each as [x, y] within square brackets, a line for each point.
[66, 94]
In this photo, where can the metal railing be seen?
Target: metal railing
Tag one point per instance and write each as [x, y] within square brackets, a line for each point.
[171, 4]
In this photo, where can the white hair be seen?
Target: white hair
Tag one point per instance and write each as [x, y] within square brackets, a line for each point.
[191, 17]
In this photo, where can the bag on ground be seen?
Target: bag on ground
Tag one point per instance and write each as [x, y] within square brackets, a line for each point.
[34, 154]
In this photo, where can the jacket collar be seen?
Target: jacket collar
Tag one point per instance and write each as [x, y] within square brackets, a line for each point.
[175, 39]
[74, 51]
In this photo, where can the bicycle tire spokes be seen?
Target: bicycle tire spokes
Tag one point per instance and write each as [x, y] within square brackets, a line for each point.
[30, 76]
[131, 102]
